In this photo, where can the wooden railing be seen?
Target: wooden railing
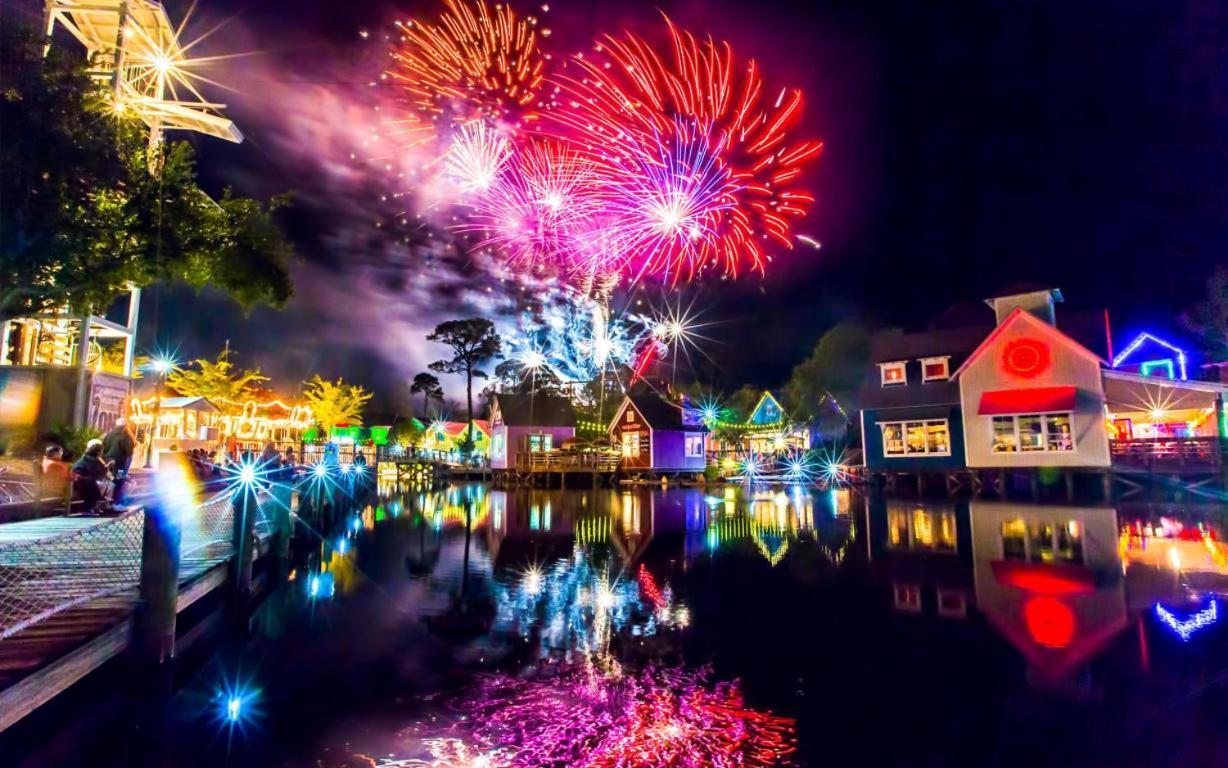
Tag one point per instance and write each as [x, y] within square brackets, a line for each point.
[562, 461]
[1168, 453]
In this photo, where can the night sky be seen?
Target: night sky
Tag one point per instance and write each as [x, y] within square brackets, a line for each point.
[969, 146]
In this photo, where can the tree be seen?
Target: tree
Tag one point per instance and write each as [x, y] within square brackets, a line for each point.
[1209, 317]
[218, 380]
[335, 402]
[85, 218]
[473, 341]
[430, 388]
[836, 367]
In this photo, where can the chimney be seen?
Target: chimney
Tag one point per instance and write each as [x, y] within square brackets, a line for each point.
[1039, 303]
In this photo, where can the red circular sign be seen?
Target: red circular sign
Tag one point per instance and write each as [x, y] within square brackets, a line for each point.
[1025, 358]
[1050, 622]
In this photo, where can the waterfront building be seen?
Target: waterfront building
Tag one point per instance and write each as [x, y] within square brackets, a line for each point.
[522, 425]
[659, 435]
[1028, 394]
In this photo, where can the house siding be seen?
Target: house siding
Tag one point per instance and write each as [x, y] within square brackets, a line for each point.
[669, 452]
[513, 436]
[872, 439]
[1069, 365]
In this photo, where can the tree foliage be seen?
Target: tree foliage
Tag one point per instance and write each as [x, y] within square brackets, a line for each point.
[335, 402]
[430, 388]
[1209, 317]
[219, 380]
[84, 216]
[837, 367]
[473, 341]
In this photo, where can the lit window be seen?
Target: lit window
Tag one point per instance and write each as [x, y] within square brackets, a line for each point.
[893, 439]
[916, 438]
[630, 415]
[631, 445]
[1014, 540]
[1033, 432]
[893, 373]
[541, 443]
[694, 446]
[935, 368]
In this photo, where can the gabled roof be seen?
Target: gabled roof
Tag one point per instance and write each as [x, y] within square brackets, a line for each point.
[1021, 316]
[535, 410]
[658, 413]
[764, 398]
[458, 428]
[189, 403]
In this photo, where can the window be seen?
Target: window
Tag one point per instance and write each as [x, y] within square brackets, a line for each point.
[952, 603]
[497, 445]
[1043, 541]
[893, 373]
[631, 445]
[694, 446]
[935, 368]
[1014, 540]
[908, 598]
[921, 529]
[916, 438]
[893, 439]
[1050, 432]
[541, 443]
[630, 416]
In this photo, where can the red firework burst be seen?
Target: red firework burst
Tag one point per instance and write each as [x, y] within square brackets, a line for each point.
[473, 62]
[696, 126]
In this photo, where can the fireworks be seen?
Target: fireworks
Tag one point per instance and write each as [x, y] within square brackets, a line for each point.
[472, 63]
[536, 208]
[703, 162]
[645, 161]
[476, 156]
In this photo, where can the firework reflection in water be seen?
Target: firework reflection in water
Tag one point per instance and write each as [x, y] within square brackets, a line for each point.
[584, 717]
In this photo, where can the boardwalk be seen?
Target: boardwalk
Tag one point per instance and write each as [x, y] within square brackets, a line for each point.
[68, 588]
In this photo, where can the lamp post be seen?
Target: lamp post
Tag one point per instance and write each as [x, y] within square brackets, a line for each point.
[162, 367]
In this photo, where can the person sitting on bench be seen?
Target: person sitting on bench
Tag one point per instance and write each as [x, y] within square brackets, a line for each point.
[55, 473]
[87, 473]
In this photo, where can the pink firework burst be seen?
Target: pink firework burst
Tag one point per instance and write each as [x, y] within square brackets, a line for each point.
[534, 210]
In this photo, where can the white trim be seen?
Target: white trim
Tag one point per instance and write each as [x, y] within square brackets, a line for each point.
[904, 436]
[1044, 432]
[946, 367]
[882, 373]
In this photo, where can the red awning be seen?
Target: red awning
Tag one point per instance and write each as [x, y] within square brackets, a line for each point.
[1032, 400]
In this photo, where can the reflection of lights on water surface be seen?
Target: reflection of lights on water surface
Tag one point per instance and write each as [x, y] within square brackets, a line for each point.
[585, 716]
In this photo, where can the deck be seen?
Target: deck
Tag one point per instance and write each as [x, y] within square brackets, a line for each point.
[1169, 455]
[69, 587]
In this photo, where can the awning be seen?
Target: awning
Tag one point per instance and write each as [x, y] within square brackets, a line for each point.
[1031, 400]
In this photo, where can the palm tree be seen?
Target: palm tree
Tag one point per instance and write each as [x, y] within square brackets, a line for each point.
[430, 388]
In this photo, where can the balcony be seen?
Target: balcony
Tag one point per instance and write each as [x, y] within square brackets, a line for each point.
[1168, 454]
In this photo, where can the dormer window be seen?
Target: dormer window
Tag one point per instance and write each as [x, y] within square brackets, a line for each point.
[935, 368]
[893, 373]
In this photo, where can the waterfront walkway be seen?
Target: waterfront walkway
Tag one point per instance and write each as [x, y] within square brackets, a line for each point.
[69, 586]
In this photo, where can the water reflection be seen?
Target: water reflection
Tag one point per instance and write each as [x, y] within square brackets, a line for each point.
[1061, 583]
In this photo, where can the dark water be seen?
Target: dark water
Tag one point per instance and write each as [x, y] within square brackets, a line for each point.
[474, 626]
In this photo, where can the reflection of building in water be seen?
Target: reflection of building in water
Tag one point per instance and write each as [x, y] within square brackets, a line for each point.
[1049, 579]
[770, 521]
[917, 545]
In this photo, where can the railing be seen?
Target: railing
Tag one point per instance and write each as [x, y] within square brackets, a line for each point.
[556, 461]
[99, 558]
[1168, 453]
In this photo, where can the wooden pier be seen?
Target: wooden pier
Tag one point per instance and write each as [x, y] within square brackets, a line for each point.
[72, 589]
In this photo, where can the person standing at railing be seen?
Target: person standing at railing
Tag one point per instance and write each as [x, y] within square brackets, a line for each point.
[87, 473]
[117, 449]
